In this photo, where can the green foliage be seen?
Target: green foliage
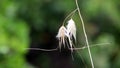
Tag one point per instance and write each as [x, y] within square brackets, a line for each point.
[13, 37]
[102, 21]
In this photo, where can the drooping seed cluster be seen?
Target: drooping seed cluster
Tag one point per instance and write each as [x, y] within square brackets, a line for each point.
[69, 31]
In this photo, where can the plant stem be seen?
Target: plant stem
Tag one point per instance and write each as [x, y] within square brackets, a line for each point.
[69, 15]
[42, 49]
[86, 38]
[89, 46]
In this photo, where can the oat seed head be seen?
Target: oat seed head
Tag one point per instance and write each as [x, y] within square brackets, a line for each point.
[62, 32]
[61, 36]
[71, 29]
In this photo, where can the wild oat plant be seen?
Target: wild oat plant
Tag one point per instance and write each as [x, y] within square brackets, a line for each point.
[67, 35]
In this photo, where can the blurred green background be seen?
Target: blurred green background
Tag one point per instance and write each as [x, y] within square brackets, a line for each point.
[34, 23]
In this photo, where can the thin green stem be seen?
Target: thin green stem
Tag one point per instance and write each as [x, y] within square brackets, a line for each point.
[42, 49]
[69, 15]
[86, 38]
[84, 47]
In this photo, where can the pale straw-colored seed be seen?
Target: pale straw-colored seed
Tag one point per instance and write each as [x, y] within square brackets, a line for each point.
[71, 29]
[61, 36]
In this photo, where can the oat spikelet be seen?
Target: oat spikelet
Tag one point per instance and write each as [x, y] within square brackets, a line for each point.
[61, 36]
[71, 29]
